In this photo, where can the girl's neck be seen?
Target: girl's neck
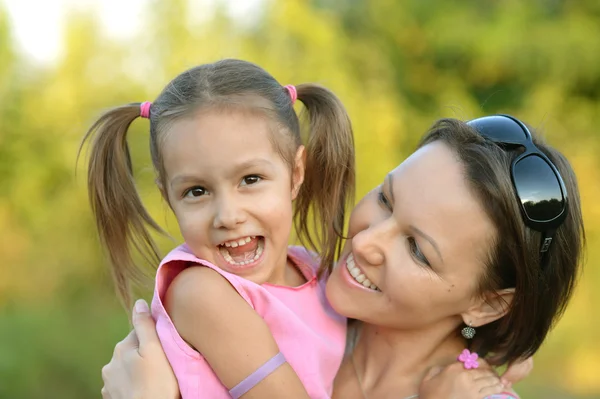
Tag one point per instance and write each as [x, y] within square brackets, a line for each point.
[289, 275]
[293, 275]
[396, 361]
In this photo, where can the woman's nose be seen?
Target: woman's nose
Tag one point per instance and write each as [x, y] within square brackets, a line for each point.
[370, 244]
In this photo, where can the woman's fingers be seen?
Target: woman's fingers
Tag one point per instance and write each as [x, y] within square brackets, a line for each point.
[144, 327]
[482, 373]
[518, 370]
[129, 342]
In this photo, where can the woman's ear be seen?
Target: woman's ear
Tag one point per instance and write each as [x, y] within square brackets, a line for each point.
[298, 171]
[490, 307]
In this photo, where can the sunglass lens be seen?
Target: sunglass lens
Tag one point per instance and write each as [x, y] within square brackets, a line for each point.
[499, 128]
[538, 188]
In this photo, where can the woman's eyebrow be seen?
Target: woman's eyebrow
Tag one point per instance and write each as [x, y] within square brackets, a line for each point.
[428, 239]
[390, 180]
[414, 229]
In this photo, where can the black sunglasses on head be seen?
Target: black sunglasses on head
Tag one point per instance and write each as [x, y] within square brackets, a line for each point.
[538, 185]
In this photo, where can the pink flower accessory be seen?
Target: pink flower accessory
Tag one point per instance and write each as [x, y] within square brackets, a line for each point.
[469, 359]
[293, 92]
[145, 109]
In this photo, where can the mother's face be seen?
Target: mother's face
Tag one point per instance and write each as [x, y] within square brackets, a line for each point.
[421, 239]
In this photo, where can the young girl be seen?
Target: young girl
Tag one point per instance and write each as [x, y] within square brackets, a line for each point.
[251, 318]
[226, 144]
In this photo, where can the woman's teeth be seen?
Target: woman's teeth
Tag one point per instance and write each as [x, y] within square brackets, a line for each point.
[357, 275]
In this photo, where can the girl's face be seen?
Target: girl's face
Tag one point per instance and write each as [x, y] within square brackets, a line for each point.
[417, 248]
[231, 191]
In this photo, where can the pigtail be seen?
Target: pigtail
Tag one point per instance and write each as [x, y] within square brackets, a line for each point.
[329, 181]
[121, 218]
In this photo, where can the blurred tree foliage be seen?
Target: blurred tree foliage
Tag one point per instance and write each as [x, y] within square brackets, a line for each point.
[398, 66]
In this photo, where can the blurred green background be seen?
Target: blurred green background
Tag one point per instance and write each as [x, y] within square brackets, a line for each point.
[397, 65]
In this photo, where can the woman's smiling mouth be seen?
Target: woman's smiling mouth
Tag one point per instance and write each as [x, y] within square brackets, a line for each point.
[358, 275]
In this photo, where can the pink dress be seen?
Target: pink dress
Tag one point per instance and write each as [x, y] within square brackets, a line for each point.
[308, 332]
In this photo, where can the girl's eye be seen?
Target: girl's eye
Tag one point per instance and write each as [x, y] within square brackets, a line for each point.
[195, 192]
[250, 180]
[384, 201]
[416, 251]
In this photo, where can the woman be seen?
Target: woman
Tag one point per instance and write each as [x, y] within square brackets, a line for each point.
[479, 231]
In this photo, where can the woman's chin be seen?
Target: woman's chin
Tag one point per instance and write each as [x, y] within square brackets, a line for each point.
[339, 297]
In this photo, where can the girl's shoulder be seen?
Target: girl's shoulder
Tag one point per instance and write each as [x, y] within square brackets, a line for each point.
[305, 257]
[181, 258]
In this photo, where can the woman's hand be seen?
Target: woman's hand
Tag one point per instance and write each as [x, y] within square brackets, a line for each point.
[139, 368]
[455, 382]
[517, 371]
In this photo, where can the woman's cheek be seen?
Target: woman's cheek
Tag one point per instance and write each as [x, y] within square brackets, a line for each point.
[362, 216]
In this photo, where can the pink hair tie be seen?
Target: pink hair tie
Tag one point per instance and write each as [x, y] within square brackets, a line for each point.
[469, 359]
[292, 91]
[145, 109]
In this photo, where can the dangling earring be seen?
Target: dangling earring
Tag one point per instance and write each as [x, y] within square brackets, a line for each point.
[468, 332]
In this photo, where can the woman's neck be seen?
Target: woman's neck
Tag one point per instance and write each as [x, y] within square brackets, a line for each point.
[396, 361]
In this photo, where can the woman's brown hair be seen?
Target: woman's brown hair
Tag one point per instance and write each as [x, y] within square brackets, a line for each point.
[541, 293]
[124, 224]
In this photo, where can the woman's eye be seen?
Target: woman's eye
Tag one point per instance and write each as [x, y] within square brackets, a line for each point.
[384, 201]
[250, 180]
[416, 251]
[195, 192]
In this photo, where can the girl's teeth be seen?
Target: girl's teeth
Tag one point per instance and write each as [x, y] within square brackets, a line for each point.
[230, 260]
[227, 257]
[367, 283]
[259, 251]
[239, 242]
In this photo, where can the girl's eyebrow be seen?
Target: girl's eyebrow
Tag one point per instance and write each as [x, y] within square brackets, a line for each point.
[237, 169]
[184, 179]
[252, 163]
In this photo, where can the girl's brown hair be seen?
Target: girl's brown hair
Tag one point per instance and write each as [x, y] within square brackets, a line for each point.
[124, 224]
[541, 293]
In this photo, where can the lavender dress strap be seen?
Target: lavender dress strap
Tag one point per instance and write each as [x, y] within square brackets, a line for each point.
[260, 374]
